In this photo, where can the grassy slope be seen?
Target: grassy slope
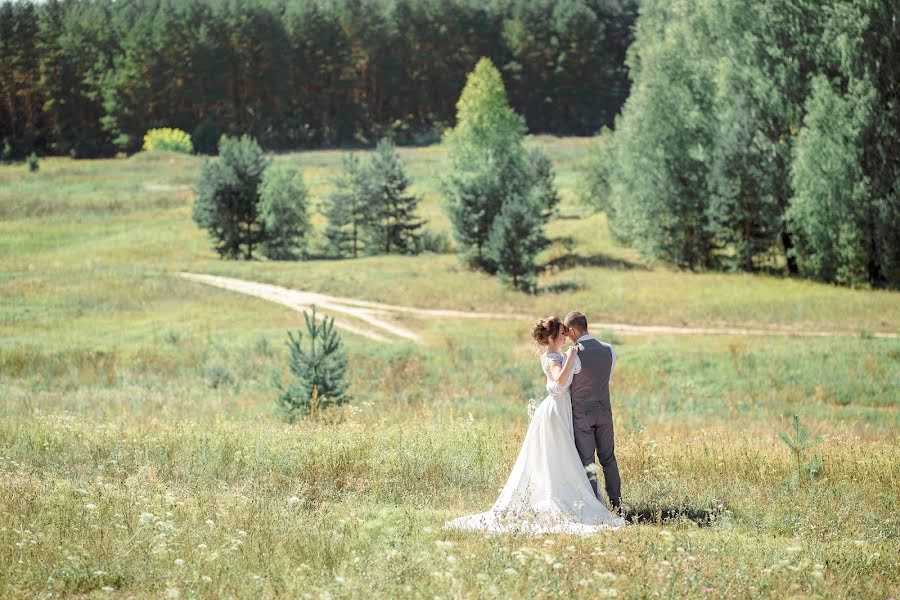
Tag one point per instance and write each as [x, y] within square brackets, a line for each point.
[127, 388]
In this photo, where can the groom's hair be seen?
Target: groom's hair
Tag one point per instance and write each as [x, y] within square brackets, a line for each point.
[576, 320]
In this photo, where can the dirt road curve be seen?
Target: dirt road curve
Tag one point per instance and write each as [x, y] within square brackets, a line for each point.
[382, 322]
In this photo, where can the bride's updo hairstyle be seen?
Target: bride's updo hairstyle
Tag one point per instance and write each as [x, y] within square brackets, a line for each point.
[544, 329]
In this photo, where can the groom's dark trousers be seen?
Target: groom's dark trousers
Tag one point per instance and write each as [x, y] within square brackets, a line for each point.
[592, 416]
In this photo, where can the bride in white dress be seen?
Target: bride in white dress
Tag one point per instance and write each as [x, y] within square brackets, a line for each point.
[548, 490]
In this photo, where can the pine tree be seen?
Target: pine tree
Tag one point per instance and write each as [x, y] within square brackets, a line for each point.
[392, 223]
[282, 210]
[517, 235]
[346, 211]
[228, 197]
[489, 166]
[319, 371]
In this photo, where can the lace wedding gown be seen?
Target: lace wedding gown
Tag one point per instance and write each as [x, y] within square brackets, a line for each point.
[548, 490]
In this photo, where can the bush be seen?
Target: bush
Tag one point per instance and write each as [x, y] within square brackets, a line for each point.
[320, 373]
[32, 161]
[206, 137]
[438, 242]
[282, 210]
[168, 139]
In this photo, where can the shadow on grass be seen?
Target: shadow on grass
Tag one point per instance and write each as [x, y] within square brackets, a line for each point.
[664, 514]
[571, 260]
[560, 287]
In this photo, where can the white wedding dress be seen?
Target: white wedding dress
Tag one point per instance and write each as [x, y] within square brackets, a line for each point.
[548, 490]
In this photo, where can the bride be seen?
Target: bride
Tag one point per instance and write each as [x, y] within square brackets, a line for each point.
[548, 490]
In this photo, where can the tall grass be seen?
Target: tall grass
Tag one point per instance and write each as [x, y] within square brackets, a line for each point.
[140, 451]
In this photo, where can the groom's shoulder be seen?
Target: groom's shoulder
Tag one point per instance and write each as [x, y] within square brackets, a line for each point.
[601, 344]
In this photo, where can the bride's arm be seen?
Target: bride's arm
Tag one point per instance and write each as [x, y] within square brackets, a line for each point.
[560, 373]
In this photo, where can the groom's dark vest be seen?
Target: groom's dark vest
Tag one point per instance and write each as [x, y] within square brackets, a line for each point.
[590, 387]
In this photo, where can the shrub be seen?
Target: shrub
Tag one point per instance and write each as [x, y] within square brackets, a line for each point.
[206, 137]
[32, 161]
[320, 372]
[438, 242]
[168, 139]
[282, 210]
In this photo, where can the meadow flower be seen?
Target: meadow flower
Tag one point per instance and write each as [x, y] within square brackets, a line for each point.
[173, 593]
[206, 579]
[107, 588]
[293, 500]
[607, 592]
[510, 571]
[147, 517]
[201, 546]
[452, 559]
[179, 562]
[793, 549]
[665, 533]
[583, 583]
[99, 573]
[90, 506]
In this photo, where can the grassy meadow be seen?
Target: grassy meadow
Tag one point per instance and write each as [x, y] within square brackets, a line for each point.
[141, 456]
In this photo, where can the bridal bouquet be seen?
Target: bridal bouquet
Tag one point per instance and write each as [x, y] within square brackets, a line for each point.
[532, 407]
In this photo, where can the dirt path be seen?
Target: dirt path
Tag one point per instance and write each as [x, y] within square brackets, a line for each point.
[373, 320]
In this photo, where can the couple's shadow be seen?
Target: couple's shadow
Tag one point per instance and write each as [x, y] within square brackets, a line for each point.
[646, 515]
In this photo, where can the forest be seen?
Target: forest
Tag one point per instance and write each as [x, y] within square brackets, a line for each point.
[88, 79]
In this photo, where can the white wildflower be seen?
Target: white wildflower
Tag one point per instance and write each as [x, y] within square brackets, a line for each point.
[206, 579]
[179, 562]
[510, 571]
[107, 588]
[293, 500]
[210, 522]
[90, 506]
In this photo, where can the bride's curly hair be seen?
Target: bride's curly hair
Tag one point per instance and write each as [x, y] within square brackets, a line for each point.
[544, 329]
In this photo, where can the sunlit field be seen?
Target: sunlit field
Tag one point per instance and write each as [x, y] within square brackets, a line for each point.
[141, 454]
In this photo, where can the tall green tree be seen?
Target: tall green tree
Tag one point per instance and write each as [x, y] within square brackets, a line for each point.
[516, 238]
[392, 222]
[227, 203]
[346, 210]
[283, 199]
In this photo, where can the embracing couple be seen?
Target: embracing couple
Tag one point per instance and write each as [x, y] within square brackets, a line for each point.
[553, 484]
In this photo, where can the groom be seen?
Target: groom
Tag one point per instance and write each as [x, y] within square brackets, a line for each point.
[591, 411]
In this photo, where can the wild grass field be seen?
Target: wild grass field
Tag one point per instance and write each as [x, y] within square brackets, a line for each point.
[141, 455]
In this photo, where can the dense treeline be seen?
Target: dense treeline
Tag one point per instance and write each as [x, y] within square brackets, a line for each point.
[760, 135]
[89, 78]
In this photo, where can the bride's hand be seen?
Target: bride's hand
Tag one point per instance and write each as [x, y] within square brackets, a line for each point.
[572, 351]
